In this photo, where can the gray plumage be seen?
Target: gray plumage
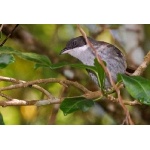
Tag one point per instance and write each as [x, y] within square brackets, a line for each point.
[113, 57]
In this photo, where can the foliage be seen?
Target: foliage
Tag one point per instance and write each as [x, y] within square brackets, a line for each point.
[72, 104]
[138, 87]
[14, 58]
[7, 58]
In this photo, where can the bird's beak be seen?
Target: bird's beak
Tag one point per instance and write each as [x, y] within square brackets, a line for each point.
[63, 51]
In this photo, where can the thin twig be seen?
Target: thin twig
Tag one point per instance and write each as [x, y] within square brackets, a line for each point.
[126, 102]
[131, 103]
[1, 27]
[5, 96]
[128, 117]
[98, 57]
[143, 65]
[55, 109]
[49, 80]
[9, 35]
[140, 69]
[108, 74]
[21, 81]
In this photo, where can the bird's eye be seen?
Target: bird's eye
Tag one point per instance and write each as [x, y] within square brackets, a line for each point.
[74, 43]
[119, 53]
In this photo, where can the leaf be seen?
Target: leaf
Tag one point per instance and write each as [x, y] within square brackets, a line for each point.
[70, 105]
[51, 66]
[78, 65]
[138, 87]
[82, 66]
[100, 73]
[5, 60]
[40, 59]
[1, 120]
[58, 65]
[97, 69]
[119, 78]
[8, 50]
[36, 66]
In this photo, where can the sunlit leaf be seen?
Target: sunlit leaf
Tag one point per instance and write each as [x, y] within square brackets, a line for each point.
[73, 104]
[138, 87]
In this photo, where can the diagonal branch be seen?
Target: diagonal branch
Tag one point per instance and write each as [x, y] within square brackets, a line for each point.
[108, 74]
[1, 27]
[9, 35]
[143, 65]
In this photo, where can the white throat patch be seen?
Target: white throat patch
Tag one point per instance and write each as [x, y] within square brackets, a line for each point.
[77, 51]
[84, 54]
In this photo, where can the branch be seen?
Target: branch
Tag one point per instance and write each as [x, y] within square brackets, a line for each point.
[18, 102]
[1, 27]
[126, 102]
[9, 35]
[98, 57]
[143, 65]
[55, 109]
[21, 81]
[27, 40]
[49, 80]
[5, 96]
[132, 103]
[54, 100]
[108, 74]
[140, 69]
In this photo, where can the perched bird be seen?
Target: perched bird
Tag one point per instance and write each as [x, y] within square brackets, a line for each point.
[114, 58]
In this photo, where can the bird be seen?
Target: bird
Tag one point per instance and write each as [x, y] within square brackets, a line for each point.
[115, 60]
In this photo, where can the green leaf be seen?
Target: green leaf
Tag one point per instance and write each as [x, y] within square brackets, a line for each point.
[1, 120]
[58, 65]
[100, 73]
[8, 50]
[138, 87]
[78, 65]
[52, 66]
[97, 69]
[36, 66]
[82, 66]
[119, 78]
[5, 60]
[70, 105]
[40, 59]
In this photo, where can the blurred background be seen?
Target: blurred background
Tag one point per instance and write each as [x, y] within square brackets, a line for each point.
[50, 39]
